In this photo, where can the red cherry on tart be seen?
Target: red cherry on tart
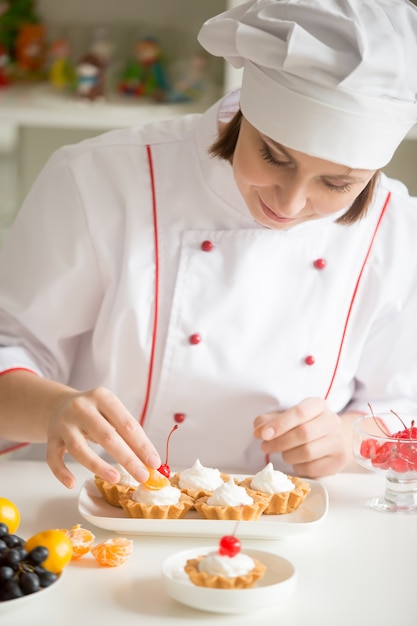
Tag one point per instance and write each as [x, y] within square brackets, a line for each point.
[165, 469]
[229, 545]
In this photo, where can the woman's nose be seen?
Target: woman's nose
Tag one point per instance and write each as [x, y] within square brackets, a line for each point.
[291, 198]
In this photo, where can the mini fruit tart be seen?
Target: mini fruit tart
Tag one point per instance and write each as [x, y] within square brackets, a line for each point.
[226, 568]
[165, 503]
[198, 480]
[284, 493]
[231, 502]
[226, 580]
[111, 492]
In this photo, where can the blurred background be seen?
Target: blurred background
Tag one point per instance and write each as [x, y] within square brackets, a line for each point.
[43, 101]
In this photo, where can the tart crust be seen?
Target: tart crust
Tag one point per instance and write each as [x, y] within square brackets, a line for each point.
[197, 493]
[111, 492]
[283, 502]
[203, 579]
[245, 512]
[156, 511]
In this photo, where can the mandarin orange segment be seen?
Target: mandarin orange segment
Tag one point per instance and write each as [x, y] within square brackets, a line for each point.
[156, 480]
[82, 540]
[112, 552]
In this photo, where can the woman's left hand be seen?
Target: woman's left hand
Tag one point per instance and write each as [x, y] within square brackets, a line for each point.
[309, 436]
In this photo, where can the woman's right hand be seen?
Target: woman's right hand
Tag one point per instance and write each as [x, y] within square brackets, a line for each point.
[97, 416]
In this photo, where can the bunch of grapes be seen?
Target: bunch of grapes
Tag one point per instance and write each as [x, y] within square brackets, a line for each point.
[21, 572]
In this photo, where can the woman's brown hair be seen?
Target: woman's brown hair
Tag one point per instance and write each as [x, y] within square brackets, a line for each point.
[224, 148]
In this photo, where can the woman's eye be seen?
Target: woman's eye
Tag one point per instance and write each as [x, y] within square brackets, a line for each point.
[338, 188]
[267, 156]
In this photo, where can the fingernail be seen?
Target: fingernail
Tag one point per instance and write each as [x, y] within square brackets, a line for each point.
[268, 433]
[153, 461]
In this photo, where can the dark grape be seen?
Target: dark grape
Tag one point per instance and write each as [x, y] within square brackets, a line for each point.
[46, 577]
[10, 590]
[6, 573]
[3, 546]
[4, 529]
[11, 557]
[38, 555]
[29, 582]
[23, 552]
[13, 541]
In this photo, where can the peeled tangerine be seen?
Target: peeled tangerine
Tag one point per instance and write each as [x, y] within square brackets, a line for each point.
[112, 552]
[82, 540]
[156, 480]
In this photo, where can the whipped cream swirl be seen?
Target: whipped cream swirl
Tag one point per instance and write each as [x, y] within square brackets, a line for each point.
[269, 480]
[125, 479]
[229, 494]
[200, 477]
[219, 565]
[165, 496]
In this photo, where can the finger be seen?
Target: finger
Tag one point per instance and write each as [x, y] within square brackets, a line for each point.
[55, 459]
[80, 451]
[130, 433]
[281, 423]
[110, 440]
[324, 466]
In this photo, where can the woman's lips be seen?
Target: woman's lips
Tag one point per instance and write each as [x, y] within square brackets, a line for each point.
[273, 216]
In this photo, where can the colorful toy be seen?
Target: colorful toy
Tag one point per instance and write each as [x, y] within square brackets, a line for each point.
[31, 50]
[91, 70]
[61, 71]
[145, 74]
[191, 85]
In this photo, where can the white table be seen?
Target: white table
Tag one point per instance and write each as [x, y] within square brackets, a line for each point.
[357, 567]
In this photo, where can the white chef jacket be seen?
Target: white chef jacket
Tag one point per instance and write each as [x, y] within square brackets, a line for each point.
[104, 281]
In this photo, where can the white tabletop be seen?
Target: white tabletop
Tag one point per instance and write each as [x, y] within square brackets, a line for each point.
[356, 567]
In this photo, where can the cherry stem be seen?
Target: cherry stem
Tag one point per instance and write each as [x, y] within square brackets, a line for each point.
[377, 422]
[396, 415]
[167, 443]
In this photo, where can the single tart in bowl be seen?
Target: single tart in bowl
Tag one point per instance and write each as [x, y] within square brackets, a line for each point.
[284, 493]
[198, 481]
[231, 501]
[156, 499]
[111, 492]
[225, 568]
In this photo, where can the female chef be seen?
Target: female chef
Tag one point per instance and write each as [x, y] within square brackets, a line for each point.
[250, 276]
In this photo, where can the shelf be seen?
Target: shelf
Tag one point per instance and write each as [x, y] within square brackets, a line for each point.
[41, 106]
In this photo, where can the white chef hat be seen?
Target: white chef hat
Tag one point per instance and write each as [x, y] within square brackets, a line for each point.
[336, 79]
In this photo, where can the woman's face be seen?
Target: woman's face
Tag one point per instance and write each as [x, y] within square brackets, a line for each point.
[284, 187]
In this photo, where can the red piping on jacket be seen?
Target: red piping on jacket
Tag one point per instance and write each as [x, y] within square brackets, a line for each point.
[156, 295]
[355, 291]
[352, 300]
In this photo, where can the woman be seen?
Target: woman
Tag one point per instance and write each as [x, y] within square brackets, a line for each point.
[252, 279]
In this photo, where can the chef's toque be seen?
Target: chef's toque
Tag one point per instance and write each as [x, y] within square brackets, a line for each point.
[335, 79]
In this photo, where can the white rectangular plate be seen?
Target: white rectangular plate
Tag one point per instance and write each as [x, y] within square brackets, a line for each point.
[98, 512]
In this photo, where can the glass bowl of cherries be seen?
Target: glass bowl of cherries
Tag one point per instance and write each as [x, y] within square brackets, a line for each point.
[387, 443]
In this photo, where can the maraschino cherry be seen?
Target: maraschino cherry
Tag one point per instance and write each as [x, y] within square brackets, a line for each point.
[165, 469]
[400, 456]
[229, 545]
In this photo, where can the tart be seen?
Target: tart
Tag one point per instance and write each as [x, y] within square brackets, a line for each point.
[165, 503]
[284, 493]
[231, 502]
[198, 481]
[203, 578]
[226, 568]
[111, 492]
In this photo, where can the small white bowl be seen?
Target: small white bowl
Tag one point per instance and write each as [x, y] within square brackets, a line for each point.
[278, 583]
[29, 600]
